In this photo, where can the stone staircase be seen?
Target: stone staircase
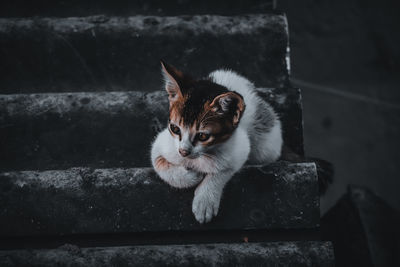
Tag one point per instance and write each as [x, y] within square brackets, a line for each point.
[80, 103]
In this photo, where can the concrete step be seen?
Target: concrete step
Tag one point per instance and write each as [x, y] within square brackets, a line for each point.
[56, 8]
[103, 53]
[82, 200]
[297, 254]
[102, 129]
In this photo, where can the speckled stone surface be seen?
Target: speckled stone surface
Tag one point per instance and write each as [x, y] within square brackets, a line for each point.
[81, 200]
[105, 53]
[103, 129]
[245, 254]
[62, 8]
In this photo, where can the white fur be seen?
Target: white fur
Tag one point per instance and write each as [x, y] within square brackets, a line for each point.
[266, 145]
[177, 175]
[215, 169]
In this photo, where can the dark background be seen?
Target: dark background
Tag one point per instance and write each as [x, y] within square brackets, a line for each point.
[345, 56]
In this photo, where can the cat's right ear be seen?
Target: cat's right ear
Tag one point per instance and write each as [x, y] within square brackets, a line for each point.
[231, 104]
[172, 78]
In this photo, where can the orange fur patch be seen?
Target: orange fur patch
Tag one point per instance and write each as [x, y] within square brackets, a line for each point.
[175, 110]
[162, 164]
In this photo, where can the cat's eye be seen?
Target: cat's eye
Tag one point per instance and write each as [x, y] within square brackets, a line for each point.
[203, 137]
[175, 129]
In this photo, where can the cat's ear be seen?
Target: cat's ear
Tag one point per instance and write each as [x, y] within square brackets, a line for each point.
[230, 103]
[172, 79]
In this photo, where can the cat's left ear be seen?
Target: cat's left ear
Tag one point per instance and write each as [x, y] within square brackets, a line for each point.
[230, 103]
[172, 78]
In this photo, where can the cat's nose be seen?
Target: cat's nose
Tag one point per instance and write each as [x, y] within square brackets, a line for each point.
[184, 152]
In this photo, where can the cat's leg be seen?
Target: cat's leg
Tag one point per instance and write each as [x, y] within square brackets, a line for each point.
[208, 193]
[175, 175]
[207, 196]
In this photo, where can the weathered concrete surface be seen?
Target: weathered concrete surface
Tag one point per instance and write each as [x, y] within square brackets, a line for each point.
[102, 53]
[81, 200]
[27, 8]
[245, 254]
[102, 129]
[364, 230]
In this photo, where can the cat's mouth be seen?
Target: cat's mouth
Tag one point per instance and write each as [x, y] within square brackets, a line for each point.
[191, 156]
[200, 155]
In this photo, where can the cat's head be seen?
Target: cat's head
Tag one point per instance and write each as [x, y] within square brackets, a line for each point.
[202, 114]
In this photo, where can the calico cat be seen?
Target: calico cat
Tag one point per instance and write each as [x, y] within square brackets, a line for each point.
[215, 126]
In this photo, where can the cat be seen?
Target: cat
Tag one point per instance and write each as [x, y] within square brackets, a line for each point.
[215, 126]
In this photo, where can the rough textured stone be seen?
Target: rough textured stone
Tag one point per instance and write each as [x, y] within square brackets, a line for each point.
[24, 8]
[81, 200]
[246, 254]
[102, 53]
[102, 129]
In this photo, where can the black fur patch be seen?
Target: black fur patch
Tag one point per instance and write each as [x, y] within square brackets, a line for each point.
[196, 95]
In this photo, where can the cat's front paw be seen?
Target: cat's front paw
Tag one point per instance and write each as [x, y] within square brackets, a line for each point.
[205, 205]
